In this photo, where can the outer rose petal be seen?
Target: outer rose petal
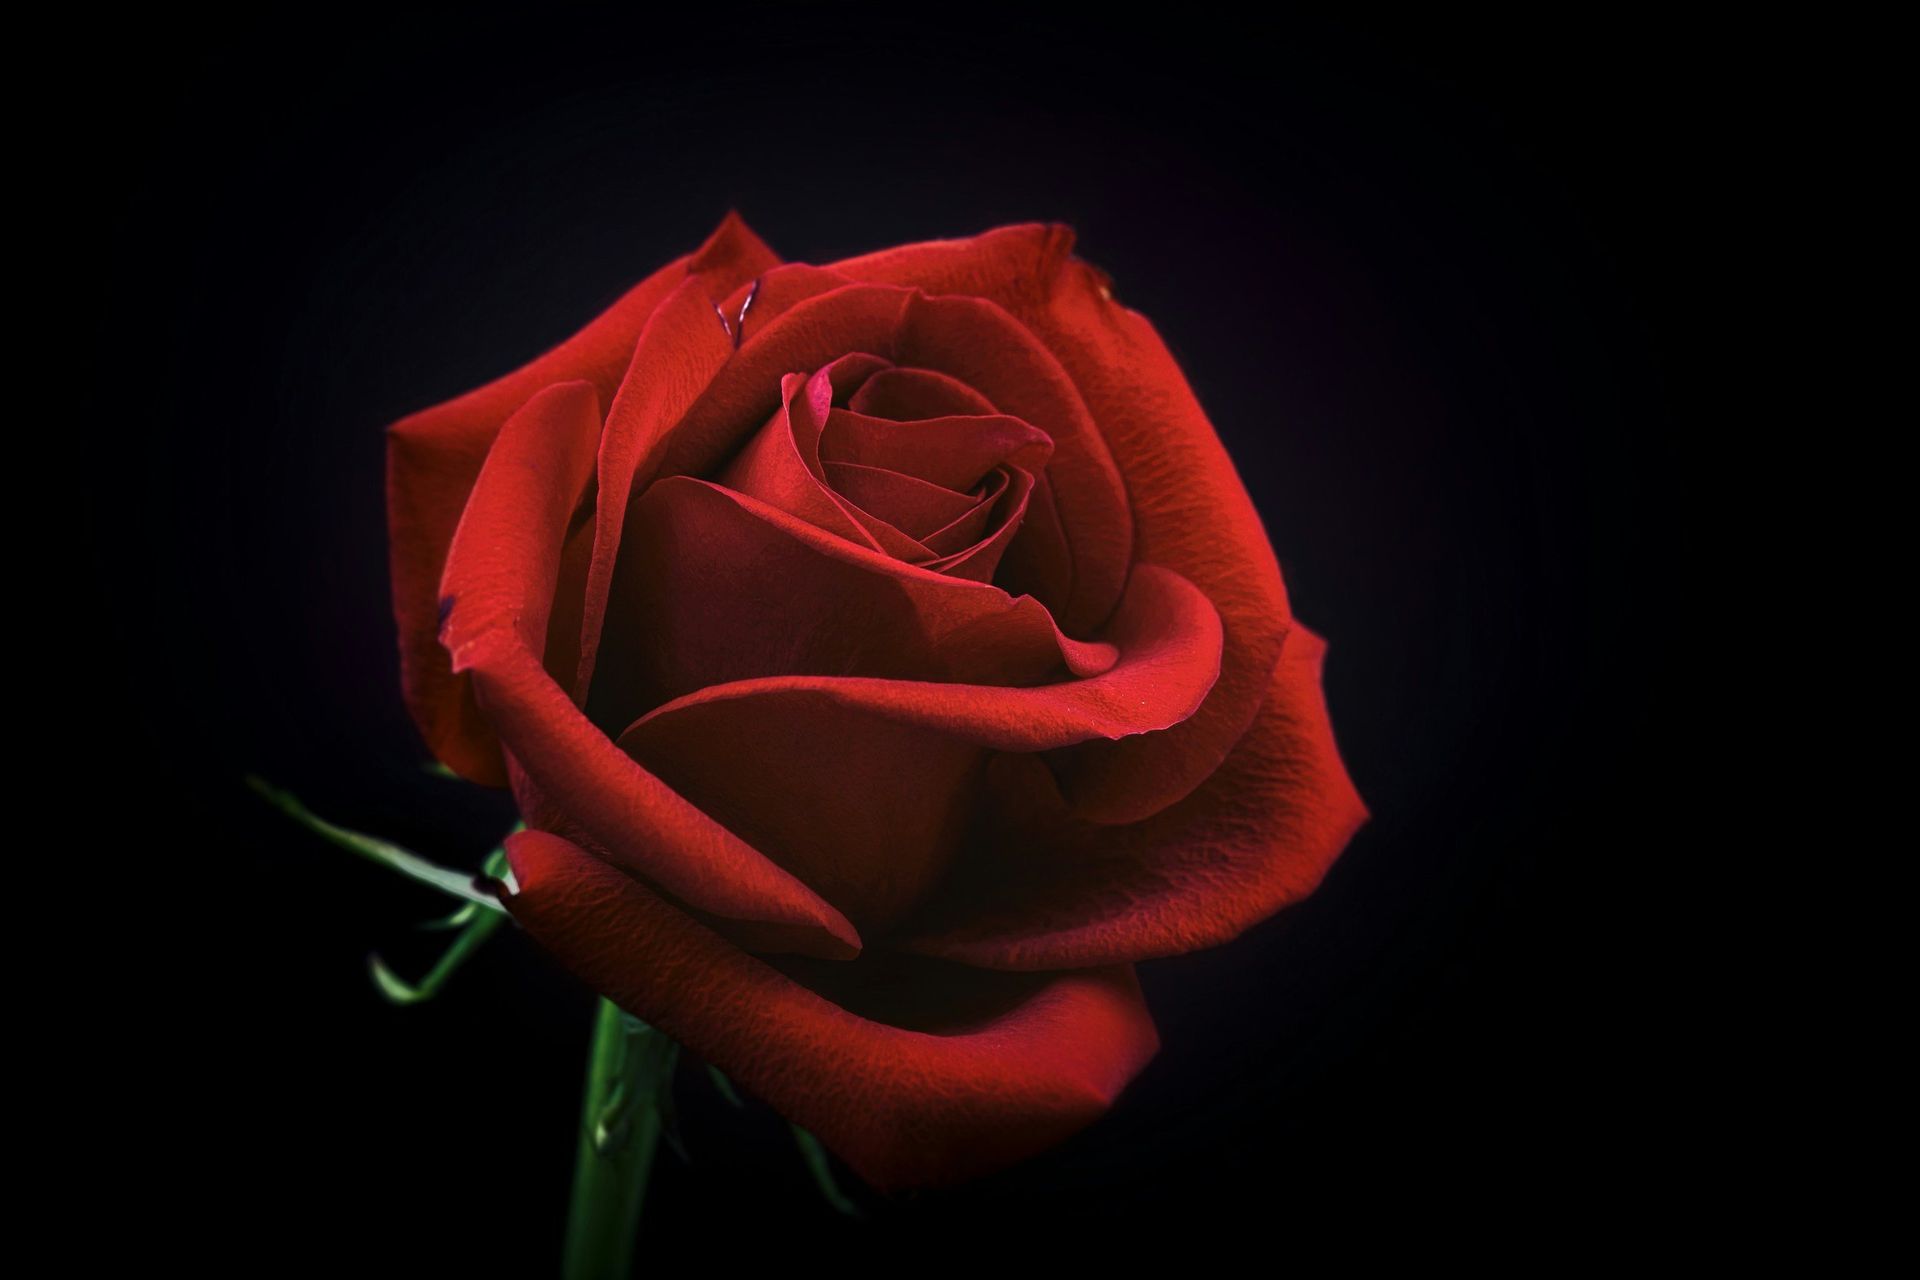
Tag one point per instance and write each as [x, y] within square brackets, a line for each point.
[961, 1095]
[865, 788]
[1167, 636]
[505, 559]
[1190, 511]
[434, 456]
[685, 343]
[1259, 834]
[716, 586]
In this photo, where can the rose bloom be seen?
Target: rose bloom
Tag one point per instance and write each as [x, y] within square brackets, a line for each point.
[885, 657]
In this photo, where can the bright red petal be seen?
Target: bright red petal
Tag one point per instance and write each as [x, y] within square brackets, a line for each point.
[683, 346]
[434, 456]
[971, 1072]
[1259, 834]
[501, 571]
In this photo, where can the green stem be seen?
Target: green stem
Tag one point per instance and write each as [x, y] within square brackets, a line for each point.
[465, 943]
[628, 1075]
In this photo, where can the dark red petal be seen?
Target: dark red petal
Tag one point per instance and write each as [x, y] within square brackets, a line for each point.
[1037, 561]
[434, 456]
[1007, 519]
[912, 506]
[908, 394]
[954, 451]
[1257, 835]
[995, 1067]
[1165, 632]
[964, 338]
[983, 346]
[1191, 512]
[806, 336]
[866, 811]
[781, 467]
[864, 788]
[716, 587]
[967, 528]
[501, 571]
[682, 347]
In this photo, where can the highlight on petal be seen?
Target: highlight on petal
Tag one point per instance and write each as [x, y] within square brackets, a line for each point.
[916, 1076]
[434, 456]
[1257, 835]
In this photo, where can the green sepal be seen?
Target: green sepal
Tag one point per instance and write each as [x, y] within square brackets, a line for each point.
[496, 867]
[399, 992]
[458, 884]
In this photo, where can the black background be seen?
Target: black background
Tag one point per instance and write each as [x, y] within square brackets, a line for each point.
[1429, 282]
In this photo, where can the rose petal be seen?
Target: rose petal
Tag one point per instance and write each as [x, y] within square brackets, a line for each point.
[715, 586]
[811, 333]
[756, 304]
[1037, 562]
[1190, 511]
[1165, 632]
[982, 1070]
[980, 344]
[501, 571]
[1012, 265]
[955, 452]
[867, 812]
[912, 506]
[434, 456]
[1008, 518]
[1257, 835]
[964, 338]
[966, 529]
[781, 467]
[908, 394]
[863, 788]
[683, 346]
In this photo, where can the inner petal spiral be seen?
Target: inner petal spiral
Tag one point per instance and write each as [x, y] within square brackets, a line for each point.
[945, 487]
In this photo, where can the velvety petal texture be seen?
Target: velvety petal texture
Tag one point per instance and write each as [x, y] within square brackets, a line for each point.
[975, 1073]
[884, 656]
[434, 456]
[1190, 512]
[1258, 834]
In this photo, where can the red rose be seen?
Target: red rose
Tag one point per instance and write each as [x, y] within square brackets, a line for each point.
[885, 656]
